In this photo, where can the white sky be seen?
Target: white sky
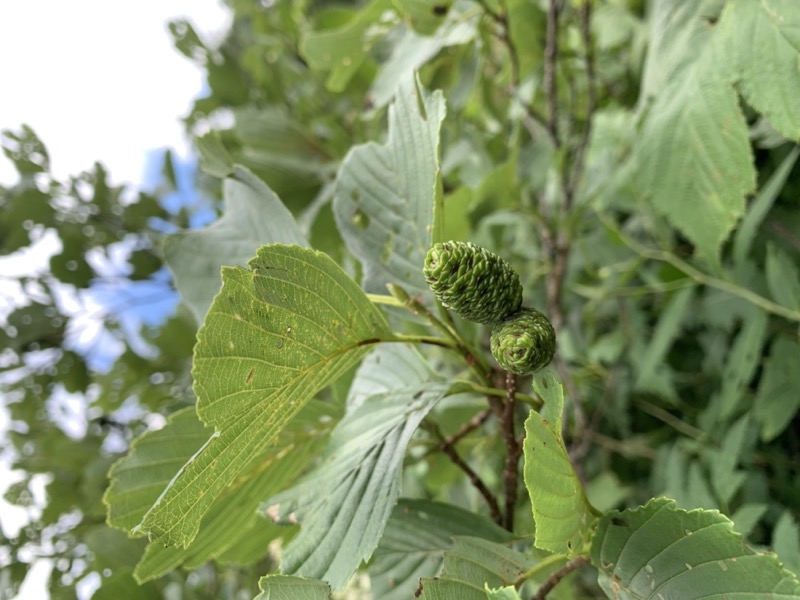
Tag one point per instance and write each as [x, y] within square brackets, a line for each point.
[96, 80]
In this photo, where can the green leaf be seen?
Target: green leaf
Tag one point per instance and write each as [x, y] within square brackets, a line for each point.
[385, 194]
[288, 587]
[695, 161]
[651, 363]
[252, 216]
[472, 565]
[257, 362]
[562, 514]
[505, 593]
[413, 50]
[759, 47]
[138, 479]
[761, 205]
[344, 503]
[214, 158]
[233, 519]
[786, 541]
[725, 477]
[777, 400]
[741, 364]
[659, 551]
[414, 541]
[121, 584]
[342, 51]
[747, 516]
[783, 278]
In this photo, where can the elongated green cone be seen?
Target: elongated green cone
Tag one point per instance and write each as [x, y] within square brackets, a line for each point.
[477, 284]
[524, 343]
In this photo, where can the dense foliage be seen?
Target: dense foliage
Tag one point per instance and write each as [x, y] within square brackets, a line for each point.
[311, 418]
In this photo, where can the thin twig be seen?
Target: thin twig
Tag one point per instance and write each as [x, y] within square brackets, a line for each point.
[699, 276]
[474, 478]
[513, 453]
[550, 59]
[556, 577]
[469, 427]
[591, 102]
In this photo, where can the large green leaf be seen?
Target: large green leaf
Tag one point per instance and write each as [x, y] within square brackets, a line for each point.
[275, 335]
[413, 544]
[252, 216]
[471, 566]
[344, 503]
[658, 551]
[562, 514]
[758, 43]
[695, 161]
[288, 587]
[385, 194]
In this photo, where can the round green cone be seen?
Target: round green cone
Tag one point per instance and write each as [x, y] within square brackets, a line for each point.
[524, 343]
[477, 284]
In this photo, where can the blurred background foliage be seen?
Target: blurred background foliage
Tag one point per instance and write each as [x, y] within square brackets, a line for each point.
[682, 354]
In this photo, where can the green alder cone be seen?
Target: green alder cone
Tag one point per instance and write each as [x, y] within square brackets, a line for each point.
[524, 343]
[477, 284]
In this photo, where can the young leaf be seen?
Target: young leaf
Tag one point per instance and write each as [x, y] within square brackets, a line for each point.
[562, 514]
[342, 51]
[214, 158]
[668, 328]
[385, 194]
[470, 567]
[660, 551]
[783, 278]
[786, 541]
[344, 503]
[741, 363]
[761, 205]
[505, 593]
[764, 61]
[413, 50]
[287, 587]
[777, 400]
[416, 537]
[275, 335]
[252, 216]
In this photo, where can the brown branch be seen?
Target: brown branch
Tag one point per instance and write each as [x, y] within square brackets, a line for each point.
[474, 478]
[513, 453]
[469, 427]
[550, 60]
[555, 578]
